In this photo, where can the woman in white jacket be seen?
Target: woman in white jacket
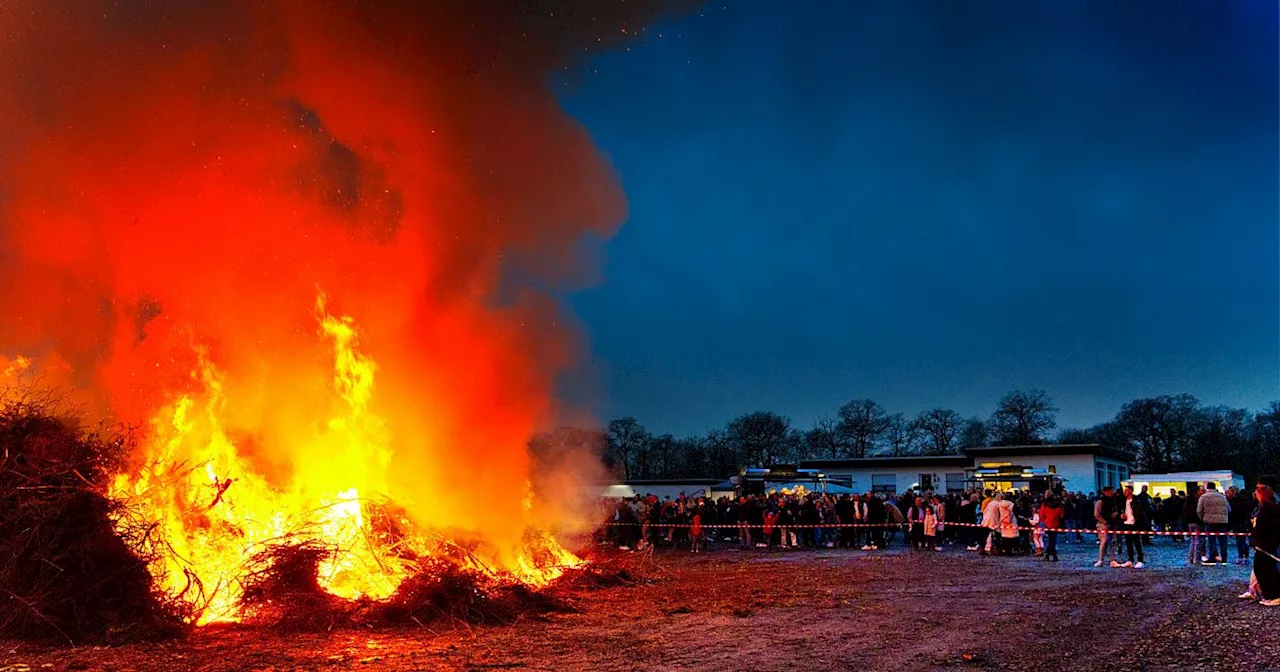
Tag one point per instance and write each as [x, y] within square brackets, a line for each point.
[991, 521]
[1008, 526]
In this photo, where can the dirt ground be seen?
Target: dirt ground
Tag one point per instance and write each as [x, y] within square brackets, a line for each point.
[823, 609]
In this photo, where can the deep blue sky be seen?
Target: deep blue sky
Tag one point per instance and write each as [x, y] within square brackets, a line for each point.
[933, 203]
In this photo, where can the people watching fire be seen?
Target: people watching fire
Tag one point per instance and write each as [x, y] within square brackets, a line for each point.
[990, 522]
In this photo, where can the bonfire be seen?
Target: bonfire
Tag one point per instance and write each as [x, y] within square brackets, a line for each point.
[216, 526]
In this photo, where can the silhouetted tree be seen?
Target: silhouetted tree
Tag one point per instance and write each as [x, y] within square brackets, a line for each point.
[1265, 434]
[759, 437]
[902, 436]
[1023, 418]
[1156, 430]
[861, 423]
[942, 426]
[662, 452]
[691, 459]
[974, 434]
[1220, 435]
[824, 439]
[722, 458]
[626, 439]
[1077, 436]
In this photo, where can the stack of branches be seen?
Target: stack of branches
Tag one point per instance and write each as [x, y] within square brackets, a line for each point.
[443, 590]
[281, 589]
[64, 571]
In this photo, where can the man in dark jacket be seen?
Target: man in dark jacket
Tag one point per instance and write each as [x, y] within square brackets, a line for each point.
[1196, 547]
[1242, 506]
[1145, 498]
[877, 514]
[1173, 511]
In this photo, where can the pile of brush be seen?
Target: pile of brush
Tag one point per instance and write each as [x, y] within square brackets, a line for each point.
[281, 591]
[65, 573]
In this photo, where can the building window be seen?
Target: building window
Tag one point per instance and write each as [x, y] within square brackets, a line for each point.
[925, 481]
[884, 483]
[955, 482]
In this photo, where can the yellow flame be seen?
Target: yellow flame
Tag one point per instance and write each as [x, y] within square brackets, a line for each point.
[213, 510]
[13, 369]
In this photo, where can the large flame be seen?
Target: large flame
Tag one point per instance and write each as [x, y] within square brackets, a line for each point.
[214, 509]
[177, 180]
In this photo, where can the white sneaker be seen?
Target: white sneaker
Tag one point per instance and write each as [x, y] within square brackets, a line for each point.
[1270, 603]
[866, 548]
[1115, 564]
[938, 549]
[1097, 564]
[1127, 563]
[1138, 565]
[971, 548]
[1247, 596]
[1204, 559]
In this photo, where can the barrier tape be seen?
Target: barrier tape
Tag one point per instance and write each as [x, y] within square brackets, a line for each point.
[828, 526]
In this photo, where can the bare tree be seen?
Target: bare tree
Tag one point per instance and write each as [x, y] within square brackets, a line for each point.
[824, 439]
[1023, 418]
[942, 426]
[760, 437]
[1158, 430]
[974, 434]
[722, 458]
[862, 422]
[627, 438]
[902, 436]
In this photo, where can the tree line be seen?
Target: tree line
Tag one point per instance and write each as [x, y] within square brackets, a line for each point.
[1161, 434]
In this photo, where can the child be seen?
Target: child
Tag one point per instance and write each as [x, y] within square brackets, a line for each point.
[697, 540]
[931, 528]
[1038, 532]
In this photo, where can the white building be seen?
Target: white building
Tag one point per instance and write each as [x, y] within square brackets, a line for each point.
[689, 487]
[1079, 467]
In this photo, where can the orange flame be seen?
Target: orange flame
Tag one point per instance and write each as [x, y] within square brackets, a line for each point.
[214, 509]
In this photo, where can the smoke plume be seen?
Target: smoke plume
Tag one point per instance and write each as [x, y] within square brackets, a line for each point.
[180, 181]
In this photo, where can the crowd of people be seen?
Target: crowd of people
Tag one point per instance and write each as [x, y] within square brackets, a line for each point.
[989, 522]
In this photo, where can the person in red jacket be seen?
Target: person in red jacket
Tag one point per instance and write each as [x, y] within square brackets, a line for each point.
[1052, 514]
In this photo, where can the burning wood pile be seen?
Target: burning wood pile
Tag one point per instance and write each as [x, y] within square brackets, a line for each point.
[77, 563]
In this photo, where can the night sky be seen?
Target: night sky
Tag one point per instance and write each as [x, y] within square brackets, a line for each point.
[934, 203]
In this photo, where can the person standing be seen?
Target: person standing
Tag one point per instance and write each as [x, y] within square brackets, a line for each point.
[1265, 540]
[1214, 512]
[877, 514]
[1052, 515]
[1173, 512]
[1144, 498]
[1242, 506]
[915, 516]
[1133, 521]
[745, 510]
[1105, 517]
[1196, 543]
[990, 524]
